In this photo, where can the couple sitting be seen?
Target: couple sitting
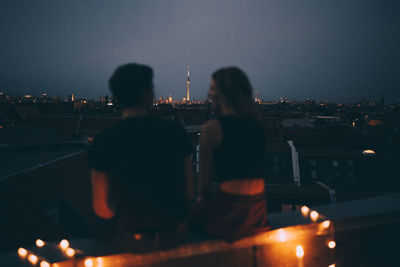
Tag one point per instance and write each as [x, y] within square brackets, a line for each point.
[142, 169]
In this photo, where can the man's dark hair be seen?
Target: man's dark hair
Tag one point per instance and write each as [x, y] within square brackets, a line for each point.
[129, 82]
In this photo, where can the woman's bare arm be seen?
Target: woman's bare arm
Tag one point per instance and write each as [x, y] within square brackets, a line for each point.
[188, 178]
[211, 136]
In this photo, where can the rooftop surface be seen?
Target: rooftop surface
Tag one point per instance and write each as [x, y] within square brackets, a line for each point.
[356, 233]
[30, 157]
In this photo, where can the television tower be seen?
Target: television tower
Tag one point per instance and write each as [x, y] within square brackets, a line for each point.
[188, 85]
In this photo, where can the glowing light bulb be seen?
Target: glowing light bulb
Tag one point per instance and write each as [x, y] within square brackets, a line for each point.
[332, 265]
[326, 224]
[299, 252]
[369, 152]
[44, 264]
[305, 210]
[64, 244]
[99, 261]
[137, 236]
[70, 252]
[88, 263]
[332, 244]
[314, 215]
[40, 243]
[22, 252]
[281, 236]
[32, 259]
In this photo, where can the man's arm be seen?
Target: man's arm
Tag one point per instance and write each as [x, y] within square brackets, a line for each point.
[100, 194]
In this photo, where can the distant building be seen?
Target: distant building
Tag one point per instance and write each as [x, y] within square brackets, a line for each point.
[303, 122]
[188, 85]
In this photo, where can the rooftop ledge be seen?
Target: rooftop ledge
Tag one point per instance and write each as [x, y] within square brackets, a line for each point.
[356, 233]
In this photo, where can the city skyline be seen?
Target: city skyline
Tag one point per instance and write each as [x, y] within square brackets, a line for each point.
[331, 50]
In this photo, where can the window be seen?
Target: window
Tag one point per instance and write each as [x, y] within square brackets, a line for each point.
[314, 174]
[313, 163]
[275, 168]
[335, 163]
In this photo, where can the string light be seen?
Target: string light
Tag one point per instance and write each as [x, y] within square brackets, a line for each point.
[88, 263]
[22, 252]
[32, 259]
[326, 224]
[40, 243]
[314, 215]
[332, 244]
[305, 210]
[99, 261]
[70, 252]
[64, 244]
[281, 236]
[299, 252]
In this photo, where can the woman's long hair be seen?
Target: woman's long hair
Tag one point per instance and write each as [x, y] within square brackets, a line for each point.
[234, 84]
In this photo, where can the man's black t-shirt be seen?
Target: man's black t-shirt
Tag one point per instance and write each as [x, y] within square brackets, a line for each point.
[144, 159]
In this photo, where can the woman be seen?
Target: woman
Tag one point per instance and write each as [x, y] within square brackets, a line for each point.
[233, 144]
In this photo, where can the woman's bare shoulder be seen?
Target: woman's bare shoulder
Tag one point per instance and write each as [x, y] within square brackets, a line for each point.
[211, 131]
[211, 126]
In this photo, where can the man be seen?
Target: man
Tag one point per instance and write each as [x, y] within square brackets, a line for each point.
[141, 168]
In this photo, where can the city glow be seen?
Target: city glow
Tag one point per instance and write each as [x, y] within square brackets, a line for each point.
[314, 215]
[44, 264]
[70, 252]
[332, 244]
[299, 252]
[305, 210]
[32, 259]
[40, 243]
[88, 263]
[64, 244]
[22, 252]
[326, 224]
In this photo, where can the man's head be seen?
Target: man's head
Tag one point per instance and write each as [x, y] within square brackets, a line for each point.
[132, 85]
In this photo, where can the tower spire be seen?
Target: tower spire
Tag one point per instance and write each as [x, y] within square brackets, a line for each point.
[188, 84]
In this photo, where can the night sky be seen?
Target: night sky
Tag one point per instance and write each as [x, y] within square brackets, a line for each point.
[339, 50]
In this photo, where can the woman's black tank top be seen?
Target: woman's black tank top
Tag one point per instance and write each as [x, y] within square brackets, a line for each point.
[241, 153]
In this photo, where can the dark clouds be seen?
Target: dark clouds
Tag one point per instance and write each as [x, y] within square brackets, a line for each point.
[336, 50]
